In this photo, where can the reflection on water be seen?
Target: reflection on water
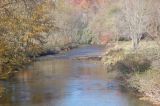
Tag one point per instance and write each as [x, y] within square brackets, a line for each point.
[64, 82]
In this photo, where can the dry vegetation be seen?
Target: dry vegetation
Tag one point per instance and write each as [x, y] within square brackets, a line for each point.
[23, 28]
[138, 69]
[137, 60]
[30, 27]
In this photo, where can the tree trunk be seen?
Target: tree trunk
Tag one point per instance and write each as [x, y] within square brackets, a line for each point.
[135, 43]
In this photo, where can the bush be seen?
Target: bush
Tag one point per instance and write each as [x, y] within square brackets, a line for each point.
[133, 63]
[113, 55]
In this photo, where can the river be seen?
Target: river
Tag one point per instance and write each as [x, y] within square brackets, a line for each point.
[62, 80]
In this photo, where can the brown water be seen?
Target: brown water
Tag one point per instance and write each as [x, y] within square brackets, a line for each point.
[61, 81]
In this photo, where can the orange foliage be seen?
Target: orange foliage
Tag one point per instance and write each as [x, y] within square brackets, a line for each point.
[105, 38]
[85, 4]
[21, 35]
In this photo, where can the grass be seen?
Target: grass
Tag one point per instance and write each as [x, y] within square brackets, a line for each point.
[147, 83]
[139, 69]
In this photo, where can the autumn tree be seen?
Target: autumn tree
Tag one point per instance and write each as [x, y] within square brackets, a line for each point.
[23, 28]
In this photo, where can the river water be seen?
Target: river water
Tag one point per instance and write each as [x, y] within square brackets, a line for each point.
[63, 81]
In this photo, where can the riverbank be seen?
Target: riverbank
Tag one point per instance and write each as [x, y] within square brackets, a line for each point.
[7, 71]
[138, 70]
[63, 81]
[18, 63]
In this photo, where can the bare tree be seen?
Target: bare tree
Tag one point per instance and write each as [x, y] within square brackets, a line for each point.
[136, 19]
[154, 22]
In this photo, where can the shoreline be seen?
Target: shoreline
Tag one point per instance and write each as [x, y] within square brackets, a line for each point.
[133, 68]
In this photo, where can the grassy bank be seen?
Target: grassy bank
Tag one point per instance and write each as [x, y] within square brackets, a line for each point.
[138, 69]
